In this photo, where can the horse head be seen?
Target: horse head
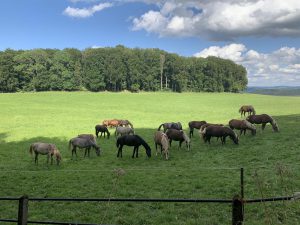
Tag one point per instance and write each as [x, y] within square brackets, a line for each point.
[57, 156]
[97, 150]
[148, 151]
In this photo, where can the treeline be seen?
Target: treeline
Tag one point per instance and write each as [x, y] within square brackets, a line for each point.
[116, 69]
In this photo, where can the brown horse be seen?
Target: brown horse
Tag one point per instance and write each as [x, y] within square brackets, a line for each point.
[221, 132]
[102, 129]
[242, 125]
[195, 125]
[263, 119]
[111, 123]
[178, 135]
[247, 108]
[161, 139]
[202, 128]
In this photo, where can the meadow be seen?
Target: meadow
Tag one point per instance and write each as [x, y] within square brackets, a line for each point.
[271, 160]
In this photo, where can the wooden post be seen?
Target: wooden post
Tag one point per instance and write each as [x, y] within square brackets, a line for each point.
[237, 211]
[23, 210]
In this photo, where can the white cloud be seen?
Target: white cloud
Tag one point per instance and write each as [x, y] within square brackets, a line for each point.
[86, 12]
[223, 19]
[280, 67]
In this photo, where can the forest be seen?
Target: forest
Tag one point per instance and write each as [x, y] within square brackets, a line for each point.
[116, 69]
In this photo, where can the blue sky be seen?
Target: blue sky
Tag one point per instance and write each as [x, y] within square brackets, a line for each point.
[262, 35]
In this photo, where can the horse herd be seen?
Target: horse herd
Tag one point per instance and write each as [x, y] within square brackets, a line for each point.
[172, 131]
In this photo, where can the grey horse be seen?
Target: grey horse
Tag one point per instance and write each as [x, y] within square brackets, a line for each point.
[85, 143]
[123, 131]
[45, 149]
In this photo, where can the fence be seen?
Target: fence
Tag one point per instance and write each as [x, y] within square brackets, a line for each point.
[237, 203]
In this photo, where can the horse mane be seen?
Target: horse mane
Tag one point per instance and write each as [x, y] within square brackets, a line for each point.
[143, 142]
[249, 125]
[274, 124]
[31, 149]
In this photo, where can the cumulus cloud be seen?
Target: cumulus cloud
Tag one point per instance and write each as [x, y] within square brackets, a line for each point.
[223, 19]
[86, 12]
[275, 68]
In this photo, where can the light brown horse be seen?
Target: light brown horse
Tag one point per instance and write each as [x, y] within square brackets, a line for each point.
[161, 139]
[111, 123]
[45, 149]
[247, 108]
[242, 125]
[263, 119]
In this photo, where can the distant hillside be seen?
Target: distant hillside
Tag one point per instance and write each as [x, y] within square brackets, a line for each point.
[278, 90]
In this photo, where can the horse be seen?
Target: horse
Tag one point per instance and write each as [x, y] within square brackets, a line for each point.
[263, 119]
[161, 139]
[247, 108]
[103, 130]
[125, 123]
[219, 131]
[242, 125]
[45, 149]
[88, 136]
[171, 125]
[123, 131]
[132, 140]
[111, 123]
[195, 125]
[202, 128]
[178, 135]
[85, 143]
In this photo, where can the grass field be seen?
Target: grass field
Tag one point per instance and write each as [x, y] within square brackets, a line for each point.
[271, 160]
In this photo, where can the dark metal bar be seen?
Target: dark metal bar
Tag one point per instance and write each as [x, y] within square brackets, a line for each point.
[274, 199]
[131, 200]
[9, 199]
[242, 183]
[9, 220]
[62, 223]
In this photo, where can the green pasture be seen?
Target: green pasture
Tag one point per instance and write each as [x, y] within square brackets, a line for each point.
[271, 160]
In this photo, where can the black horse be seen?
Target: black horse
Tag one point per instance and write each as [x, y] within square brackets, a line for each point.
[103, 130]
[172, 125]
[195, 125]
[132, 140]
[218, 131]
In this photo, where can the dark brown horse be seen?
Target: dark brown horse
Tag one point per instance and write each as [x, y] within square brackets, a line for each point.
[221, 132]
[247, 108]
[178, 135]
[171, 125]
[195, 125]
[102, 129]
[202, 128]
[263, 119]
[132, 140]
[111, 123]
[242, 125]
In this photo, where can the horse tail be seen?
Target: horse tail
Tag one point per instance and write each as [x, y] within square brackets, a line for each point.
[130, 124]
[31, 149]
[70, 144]
[160, 126]
[254, 112]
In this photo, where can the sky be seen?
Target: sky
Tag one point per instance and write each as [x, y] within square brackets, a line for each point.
[261, 35]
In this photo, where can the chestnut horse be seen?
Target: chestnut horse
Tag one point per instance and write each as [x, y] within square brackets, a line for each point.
[111, 123]
[247, 108]
[222, 132]
[178, 135]
[242, 125]
[263, 119]
[195, 125]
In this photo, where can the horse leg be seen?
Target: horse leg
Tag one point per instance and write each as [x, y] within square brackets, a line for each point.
[133, 152]
[263, 126]
[180, 143]
[137, 152]
[36, 158]
[156, 148]
[120, 151]
[170, 141]
[97, 132]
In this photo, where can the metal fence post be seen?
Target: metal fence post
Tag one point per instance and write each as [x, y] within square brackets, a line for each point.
[23, 210]
[237, 211]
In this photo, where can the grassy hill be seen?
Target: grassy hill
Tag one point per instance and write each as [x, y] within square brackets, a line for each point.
[279, 91]
[270, 160]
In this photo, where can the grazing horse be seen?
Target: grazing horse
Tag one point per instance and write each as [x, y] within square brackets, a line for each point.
[242, 125]
[45, 149]
[123, 131]
[178, 135]
[88, 136]
[172, 125]
[85, 143]
[125, 123]
[195, 125]
[202, 128]
[103, 130]
[132, 140]
[263, 119]
[221, 132]
[111, 123]
[161, 139]
[247, 108]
